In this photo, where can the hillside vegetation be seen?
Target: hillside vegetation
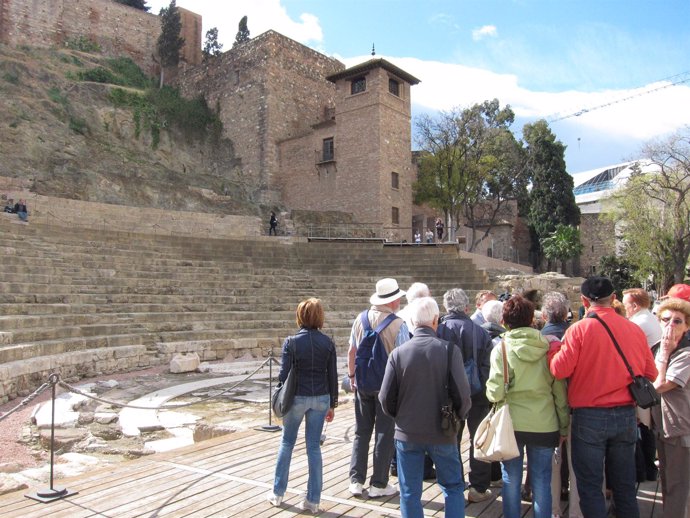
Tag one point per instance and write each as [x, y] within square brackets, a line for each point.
[81, 125]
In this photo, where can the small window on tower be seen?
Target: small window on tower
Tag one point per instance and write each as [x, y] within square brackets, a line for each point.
[395, 215]
[394, 87]
[358, 85]
[395, 180]
[328, 150]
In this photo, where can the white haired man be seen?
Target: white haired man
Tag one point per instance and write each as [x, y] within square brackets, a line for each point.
[423, 361]
[415, 291]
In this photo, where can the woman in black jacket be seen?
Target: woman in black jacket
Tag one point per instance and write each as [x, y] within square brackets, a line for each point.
[316, 397]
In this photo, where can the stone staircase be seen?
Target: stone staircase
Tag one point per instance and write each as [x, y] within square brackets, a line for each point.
[94, 301]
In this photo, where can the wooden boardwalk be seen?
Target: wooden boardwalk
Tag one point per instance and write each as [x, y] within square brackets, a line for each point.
[230, 475]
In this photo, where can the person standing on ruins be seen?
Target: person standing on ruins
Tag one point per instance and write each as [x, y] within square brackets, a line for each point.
[439, 229]
[273, 222]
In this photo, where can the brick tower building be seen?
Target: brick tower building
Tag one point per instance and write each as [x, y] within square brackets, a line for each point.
[312, 135]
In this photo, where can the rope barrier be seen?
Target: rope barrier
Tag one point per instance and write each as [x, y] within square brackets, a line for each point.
[54, 379]
[27, 400]
[75, 390]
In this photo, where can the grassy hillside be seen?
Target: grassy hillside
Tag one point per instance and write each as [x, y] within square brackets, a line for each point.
[84, 126]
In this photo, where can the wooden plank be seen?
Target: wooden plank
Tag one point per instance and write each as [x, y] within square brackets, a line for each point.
[230, 476]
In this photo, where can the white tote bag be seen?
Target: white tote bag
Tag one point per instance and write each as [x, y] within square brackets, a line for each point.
[494, 439]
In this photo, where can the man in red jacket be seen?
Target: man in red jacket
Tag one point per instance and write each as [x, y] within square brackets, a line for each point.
[604, 426]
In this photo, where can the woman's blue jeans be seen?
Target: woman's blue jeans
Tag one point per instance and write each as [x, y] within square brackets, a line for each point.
[313, 410]
[539, 467]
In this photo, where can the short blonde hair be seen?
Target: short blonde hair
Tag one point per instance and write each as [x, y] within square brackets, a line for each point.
[483, 296]
[310, 314]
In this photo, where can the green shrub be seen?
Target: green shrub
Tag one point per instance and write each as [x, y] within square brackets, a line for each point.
[83, 44]
[159, 109]
[129, 73]
[55, 95]
[11, 77]
[98, 75]
[78, 125]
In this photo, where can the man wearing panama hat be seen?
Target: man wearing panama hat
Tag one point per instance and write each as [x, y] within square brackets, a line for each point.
[368, 411]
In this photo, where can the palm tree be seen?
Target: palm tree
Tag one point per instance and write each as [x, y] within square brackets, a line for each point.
[562, 244]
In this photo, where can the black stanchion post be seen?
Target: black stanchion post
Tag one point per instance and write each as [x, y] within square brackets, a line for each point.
[52, 493]
[270, 427]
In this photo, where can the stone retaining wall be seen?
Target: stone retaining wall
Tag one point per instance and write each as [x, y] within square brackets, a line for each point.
[20, 378]
[75, 213]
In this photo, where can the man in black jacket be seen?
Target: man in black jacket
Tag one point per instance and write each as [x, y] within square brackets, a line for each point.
[423, 362]
[460, 330]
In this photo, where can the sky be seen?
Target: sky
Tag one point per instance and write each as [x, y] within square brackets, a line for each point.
[614, 62]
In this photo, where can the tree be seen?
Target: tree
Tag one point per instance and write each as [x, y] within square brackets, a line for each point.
[169, 42]
[653, 211]
[551, 199]
[621, 273]
[470, 166]
[562, 244]
[211, 45]
[242, 32]
[137, 4]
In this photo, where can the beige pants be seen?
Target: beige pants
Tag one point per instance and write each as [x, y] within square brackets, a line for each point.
[574, 497]
[674, 464]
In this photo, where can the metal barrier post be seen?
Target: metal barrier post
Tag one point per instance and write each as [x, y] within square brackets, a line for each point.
[270, 427]
[52, 493]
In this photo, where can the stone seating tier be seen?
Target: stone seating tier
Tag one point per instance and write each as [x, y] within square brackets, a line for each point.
[89, 301]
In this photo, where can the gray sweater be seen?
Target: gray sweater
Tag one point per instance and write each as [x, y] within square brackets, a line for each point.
[413, 389]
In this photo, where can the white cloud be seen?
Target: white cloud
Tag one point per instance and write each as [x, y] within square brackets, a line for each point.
[484, 32]
[637, 114]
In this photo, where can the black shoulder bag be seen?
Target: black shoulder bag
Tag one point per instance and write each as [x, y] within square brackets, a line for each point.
[284, 394]
[450, 423]
[641, 389]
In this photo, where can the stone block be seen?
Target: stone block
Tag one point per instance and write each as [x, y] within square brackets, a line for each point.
[5, 338]
[8, 484]
[184, 363]
[204, 431]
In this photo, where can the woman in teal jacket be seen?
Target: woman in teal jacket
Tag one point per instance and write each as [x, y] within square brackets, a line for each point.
[538, 406]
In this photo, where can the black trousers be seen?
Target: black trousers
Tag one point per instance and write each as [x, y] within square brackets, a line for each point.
[480, 472]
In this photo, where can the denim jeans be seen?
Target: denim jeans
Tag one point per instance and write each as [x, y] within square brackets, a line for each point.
[313, 409]
[369, 417]
[605, 435]
[448, 475]
[539, 468]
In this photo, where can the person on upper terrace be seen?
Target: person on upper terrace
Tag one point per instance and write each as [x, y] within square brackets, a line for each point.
[21, 211]
[9, 206]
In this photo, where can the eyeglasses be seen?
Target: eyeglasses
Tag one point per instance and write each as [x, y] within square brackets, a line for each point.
[675, 321]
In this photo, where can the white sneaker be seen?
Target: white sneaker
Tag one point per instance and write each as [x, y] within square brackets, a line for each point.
[356, 488]
[376, 492]
[306, 505]
[273, 499]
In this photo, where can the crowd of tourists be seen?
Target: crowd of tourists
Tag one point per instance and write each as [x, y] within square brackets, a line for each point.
[571, 390]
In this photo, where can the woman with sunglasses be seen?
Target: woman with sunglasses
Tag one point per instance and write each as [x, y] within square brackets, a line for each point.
[671, 419]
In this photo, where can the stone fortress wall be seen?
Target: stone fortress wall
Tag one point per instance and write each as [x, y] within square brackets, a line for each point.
[269, 90]
[116, 28]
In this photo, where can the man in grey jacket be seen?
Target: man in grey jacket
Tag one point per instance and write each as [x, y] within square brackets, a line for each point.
[413, 392]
